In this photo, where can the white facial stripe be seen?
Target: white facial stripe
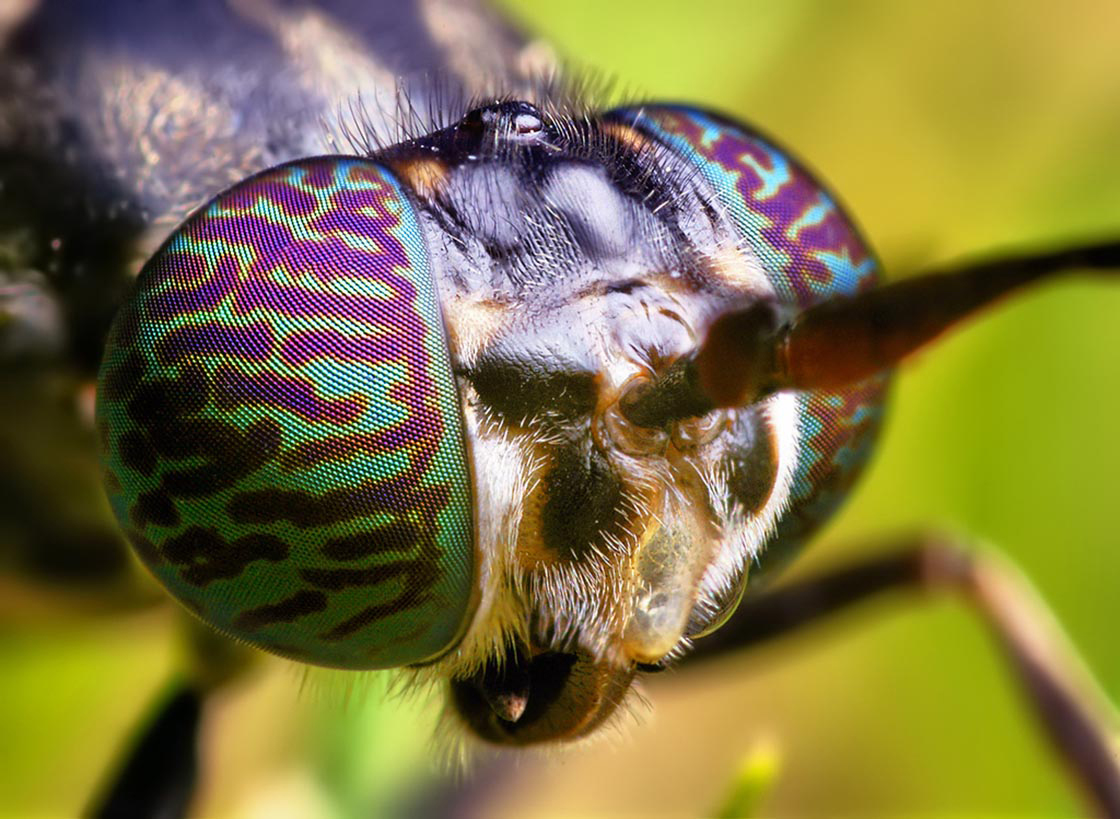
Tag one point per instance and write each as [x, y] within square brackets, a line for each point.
[745, 536]
[501, 475]
[599, 215]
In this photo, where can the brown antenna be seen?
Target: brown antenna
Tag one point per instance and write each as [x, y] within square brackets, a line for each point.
[749, 353]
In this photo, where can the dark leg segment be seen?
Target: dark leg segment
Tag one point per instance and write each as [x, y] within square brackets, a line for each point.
[157, 778]
[1057, 687]
[158, 774]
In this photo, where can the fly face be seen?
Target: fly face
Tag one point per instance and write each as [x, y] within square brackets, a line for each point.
[590, 265]
[603, 253]
[322, 368]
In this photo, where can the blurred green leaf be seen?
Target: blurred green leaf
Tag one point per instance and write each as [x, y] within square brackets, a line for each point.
[752, 782]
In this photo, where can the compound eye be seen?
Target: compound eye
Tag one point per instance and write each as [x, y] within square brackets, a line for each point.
[281, 431]
[806, 244]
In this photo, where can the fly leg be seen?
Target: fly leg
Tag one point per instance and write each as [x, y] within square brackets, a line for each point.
[1056, 685]
[158, 773]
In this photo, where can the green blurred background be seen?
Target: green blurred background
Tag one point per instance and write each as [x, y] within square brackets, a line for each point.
[948, 128]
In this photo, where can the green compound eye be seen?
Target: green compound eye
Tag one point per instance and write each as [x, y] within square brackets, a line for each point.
[280, 426]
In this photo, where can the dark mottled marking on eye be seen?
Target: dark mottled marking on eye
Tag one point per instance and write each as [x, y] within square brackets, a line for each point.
[121, 381]
[367, 617]
[204, 555]
[147, 550]
[103, 435]
[752, 462]
[126, 329]
[154, 506]
[136, 453]
[163, 399]
[178, 438]
[307, 454]
[339, 579]
[388, 537]
[230, 454]
[191, 389]
[419, 579]
[583, 500]
[151, 400]
[306, 510]
[287, 610]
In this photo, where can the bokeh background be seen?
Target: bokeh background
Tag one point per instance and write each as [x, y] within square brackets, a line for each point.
[948, 128]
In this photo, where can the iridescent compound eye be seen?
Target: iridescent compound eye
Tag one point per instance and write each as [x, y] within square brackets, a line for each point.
[280, 426]
[809, 250]
[807, 245]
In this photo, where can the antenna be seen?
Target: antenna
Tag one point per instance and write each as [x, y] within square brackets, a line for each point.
[750, 353]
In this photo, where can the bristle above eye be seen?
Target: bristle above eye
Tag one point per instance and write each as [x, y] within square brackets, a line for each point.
[568, 98]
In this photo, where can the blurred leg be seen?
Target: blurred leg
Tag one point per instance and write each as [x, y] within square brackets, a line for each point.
[158, 773]
[157, 778]
[1056, 685]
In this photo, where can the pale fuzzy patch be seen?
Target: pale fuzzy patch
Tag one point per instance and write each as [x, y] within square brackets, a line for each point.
[583, 604]
[472, 322]
[502, 475]
[739, 267]
[744, 536]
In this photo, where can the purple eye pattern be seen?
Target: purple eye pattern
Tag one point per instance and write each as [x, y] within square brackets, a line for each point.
[280, 425]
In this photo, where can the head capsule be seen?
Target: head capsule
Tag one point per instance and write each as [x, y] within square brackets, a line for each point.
[280, 427]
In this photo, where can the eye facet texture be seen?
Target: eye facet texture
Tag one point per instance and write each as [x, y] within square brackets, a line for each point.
[811, 251]
[280, 426]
